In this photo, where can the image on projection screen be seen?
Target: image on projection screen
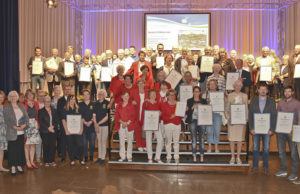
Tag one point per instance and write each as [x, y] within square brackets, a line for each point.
[183, 30]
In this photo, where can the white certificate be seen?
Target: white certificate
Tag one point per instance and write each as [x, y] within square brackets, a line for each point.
[238, 114]
[296, 133]
[180, 109]
[174, 78]
[231, 77]
[217, 101]
[297, 71]
[98, 71]
[85, 74]
[265, 73]
[284, 123]
[207, 63]
[51, 64]
[205, 115]
[186, 92]
[74, 123]
[105, 74]
[262, 123]
[37, 67]
[194, 71]
[68, 68]
[151, 120]
[160, 61]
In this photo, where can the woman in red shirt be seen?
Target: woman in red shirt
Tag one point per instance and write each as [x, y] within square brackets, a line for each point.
[125, 116]
[117, 81]
[161, 76]
[161, 96]
[149, 83]
[172, 125]
[152, 104]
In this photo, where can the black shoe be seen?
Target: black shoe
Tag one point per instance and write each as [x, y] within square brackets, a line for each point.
[86, 159]
[102, 162]
[98, 161]
[91, 158]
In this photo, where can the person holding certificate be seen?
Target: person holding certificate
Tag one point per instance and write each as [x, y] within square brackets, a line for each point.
[156, 59]
[226, 63]
[261, 104]
[83, 79]
[191, 67]
[51, 68]
[291, 105]
[182, 61]
[125, 116]
[217, 76]
[236, 132]
[204, 75]
[86, 110]
[101, 123]
[192, 120]
[213, 131]
[153, 105]
[68, 71]
[244, 76]
[73, 130]
[172, 125]
[36, 67]
[169, 64]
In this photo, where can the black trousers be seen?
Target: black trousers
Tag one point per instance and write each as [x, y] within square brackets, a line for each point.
[49, 140]
[297, 88]
[16, 153]
[51, 86]
[63, 141]
[75, 147]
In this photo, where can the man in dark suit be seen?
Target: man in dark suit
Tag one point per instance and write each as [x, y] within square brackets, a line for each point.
[160, 53]
[244, 75]
[262, 104]
[61, 136]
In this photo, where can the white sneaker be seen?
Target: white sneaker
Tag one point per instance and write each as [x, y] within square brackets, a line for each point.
[140, 149]
[150, 161]
[281, 174]
[159, 161]
[121, 160]
[145, 149]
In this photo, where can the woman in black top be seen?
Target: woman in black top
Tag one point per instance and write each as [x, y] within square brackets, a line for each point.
[48, 121]
[74, 138]
[192, 120]
[100, 117]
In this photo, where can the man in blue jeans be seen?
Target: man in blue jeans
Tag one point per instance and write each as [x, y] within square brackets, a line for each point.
[288, 104]
[262, 104]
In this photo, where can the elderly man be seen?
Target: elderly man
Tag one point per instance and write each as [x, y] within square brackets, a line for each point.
[181, 62]
[295, 59]
[149, 53]
[175, 52]
[108, 61]
[267, 61]
[51, 67]
[121, 61]
[233, 56]
[70, 50]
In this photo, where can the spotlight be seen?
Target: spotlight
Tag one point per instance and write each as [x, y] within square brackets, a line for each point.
[51, 3]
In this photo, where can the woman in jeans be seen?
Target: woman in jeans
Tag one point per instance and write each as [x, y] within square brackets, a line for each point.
[192, 120]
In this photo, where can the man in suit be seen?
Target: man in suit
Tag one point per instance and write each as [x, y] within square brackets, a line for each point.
[108, 61]
[37, 78]
[181, 61]
[244, 75]
[262, 104]
[70, 51]
[51, 68]
[204, 75]
[67, 80]
[135, 68]
[160, 53]
[293, 60]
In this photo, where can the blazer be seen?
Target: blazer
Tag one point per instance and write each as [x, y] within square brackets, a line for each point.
[292, 63]
[11, 121]
[135, 70]
[51, 76]
[203, 75]
[44, 120]
[270, 62]
[270, 107]
[247, 79]
[32, 59]
[105, 63]
[189, 112]
[67, 81]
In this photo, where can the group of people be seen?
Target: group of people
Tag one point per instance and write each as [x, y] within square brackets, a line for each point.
[136, 84]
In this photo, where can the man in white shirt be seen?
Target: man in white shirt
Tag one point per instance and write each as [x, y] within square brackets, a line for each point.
[149, 53]
[70, 50]
[121, 61]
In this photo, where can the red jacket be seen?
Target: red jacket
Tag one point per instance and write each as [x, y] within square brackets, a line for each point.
[135, 70]
[167, 111]
[149, 84]
[136, 97]
[125, 114]
[160, 99]
[115, 85]
[122, 89]
[149, 106]
[157, 86]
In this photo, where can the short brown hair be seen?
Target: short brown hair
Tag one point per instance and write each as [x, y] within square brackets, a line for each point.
[144, 67]
[170, 91]
[29, 91]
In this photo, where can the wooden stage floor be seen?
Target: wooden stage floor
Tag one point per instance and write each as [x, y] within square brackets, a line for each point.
[99, 179]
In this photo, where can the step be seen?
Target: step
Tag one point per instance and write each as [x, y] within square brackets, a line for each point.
[183, 152]
[221, 133]
[222, 142]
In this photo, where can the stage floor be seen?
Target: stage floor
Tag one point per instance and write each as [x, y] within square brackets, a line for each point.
[99, 179]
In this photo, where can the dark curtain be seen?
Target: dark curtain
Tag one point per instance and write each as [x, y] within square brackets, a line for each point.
[9, 46]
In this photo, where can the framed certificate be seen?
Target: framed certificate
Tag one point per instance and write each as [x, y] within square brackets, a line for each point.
[85, 74]
[231, 77]
[194, 71]
[265, 73]
[160, 62]
[297, 71]
[207, 63]
[217, 101]
[284, 123]
[51, 64]
[174, 78]
[37, 67]
[205, 115]
[68, 68]
[186, 92]
[106, 74]
[262, 123]
[151, 120]
[74, 123]
[238, 114]
[180, 109]
[296, 133]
